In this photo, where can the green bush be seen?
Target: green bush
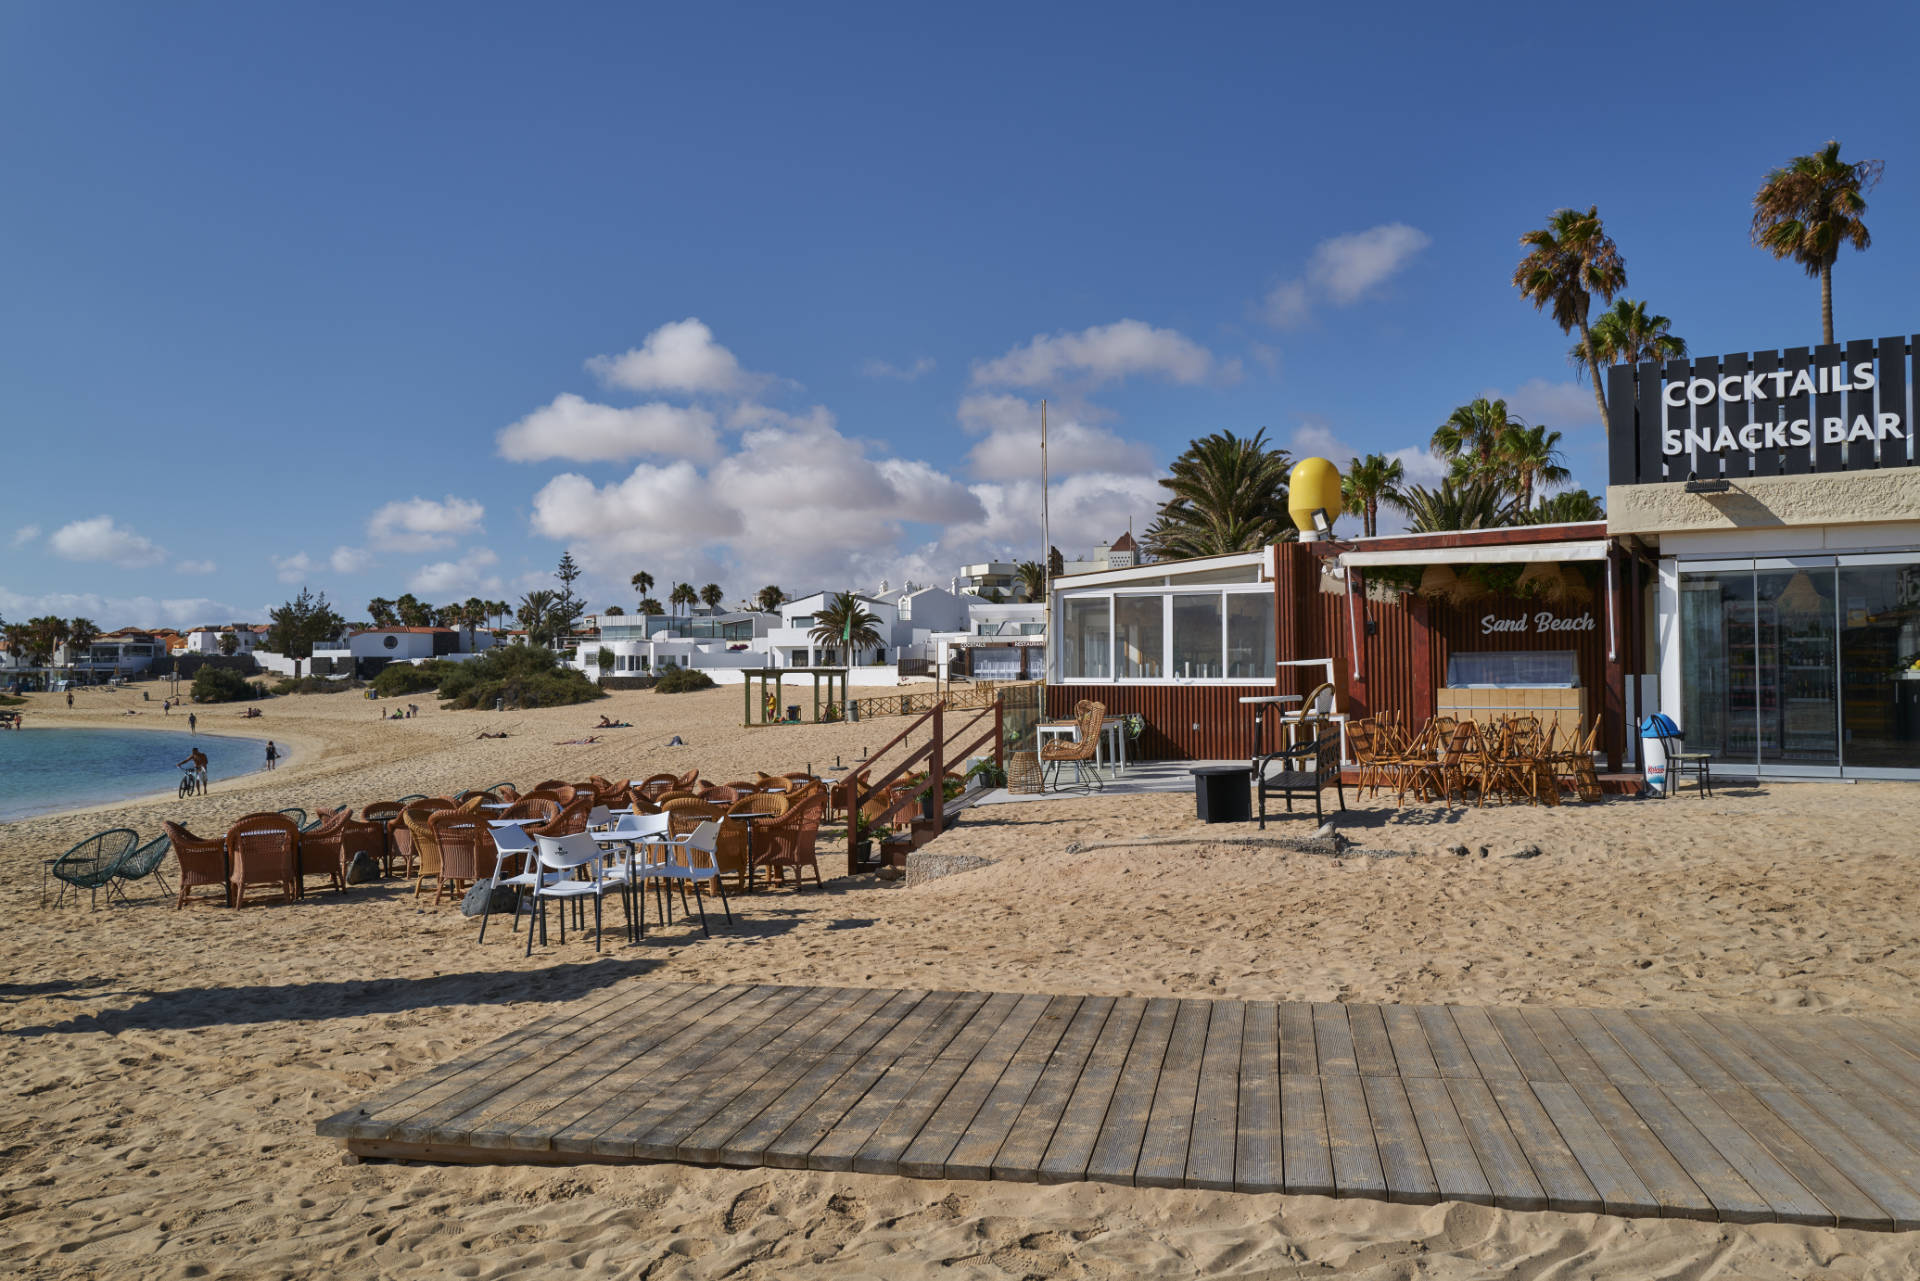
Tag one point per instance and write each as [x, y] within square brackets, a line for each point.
[522, 675]
[682, 680]
[312, 685]
[224, 685]
[398, 679]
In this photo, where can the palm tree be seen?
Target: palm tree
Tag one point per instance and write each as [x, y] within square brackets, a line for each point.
[1807, 210]
[1229, 494]
[1625, 334]
[413, 612]
[473, 612]
[770, 599]
[537, 616]
[1033, 579]
[380, 610]
[1529, 458]
[1565, 508]
[845, 621]
[651, 607]
[683, 596]
[80, 635]
[1568, 262]
[1471, 436]
[1369, 482]
[642, 583]
[1457, 503]
[711, 596]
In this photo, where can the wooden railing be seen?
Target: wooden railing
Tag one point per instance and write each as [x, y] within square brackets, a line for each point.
[937, 751]
[981, 695]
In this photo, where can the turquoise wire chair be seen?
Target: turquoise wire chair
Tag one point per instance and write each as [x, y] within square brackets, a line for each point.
[298, 815]
[93, 863]
[141, 864]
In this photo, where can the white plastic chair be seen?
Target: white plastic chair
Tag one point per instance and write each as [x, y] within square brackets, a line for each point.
[635, 865]
[697, 865]
[598, 817]
[511, 841]
[560, 858]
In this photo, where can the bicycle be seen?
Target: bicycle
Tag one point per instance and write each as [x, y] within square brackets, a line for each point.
[191, 782]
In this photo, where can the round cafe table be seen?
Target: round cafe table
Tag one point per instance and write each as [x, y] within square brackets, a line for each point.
[749, 820]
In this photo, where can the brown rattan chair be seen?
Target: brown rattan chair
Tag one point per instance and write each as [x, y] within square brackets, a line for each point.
[474, 801]
[722, 794]
[551, 784]
[393, 831]
[202, 862]
[686, 781]
[465, 846]
[1083, 751]
[425, 860]
[738, 851]
[536, 810]
[264, 849]
[654, 786]
[323, 849]
[790, 839]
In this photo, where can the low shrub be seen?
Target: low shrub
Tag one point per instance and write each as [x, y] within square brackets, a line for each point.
[398, 679]
[8, 700]
[311, 685]
[682, 680]
[223, 685]
[521, 675]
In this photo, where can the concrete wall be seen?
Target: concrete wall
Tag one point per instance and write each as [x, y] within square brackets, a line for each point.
[1768, 502]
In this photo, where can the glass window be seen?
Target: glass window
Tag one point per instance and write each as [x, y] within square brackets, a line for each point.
[1249, 635]
[1196, 636]
[1498, 668]
[1086, 625]
[1797, 606]
[1140, 636]
[1880, 665]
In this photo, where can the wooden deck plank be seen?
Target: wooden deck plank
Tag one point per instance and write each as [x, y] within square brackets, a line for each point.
[1017, 1158]
[1163, 1149]
[1850, 1206]
[1614, 1179]
[1403, 1155]
[1297, 1056]
[748, 1146]
[1618, 1065]
[1735, 1199]
[934, 1139]
[1333, 1040]
[1116, 1153]
[1528, 1053]
[1510, 1179]
[1451, 1056]
[1730, 1054]
[1483, 1042]
[1372, 1047]
[1676, 1195]
[836, 1149]
[1410, 1051]
[1259, 1153]
[1789, 1200]
[789, 1149]
[569, 1088]
[1554, 1164]
[881, 1152]
[1644, 1050]
[1450, 1154]
[1870, 1158]
[1351, 1138]
[1213, 1146]
[1071, 1146]
[1900, 1034]
[1878, 1042]
[1702, 1068]
[973, 1155]
[1855, 1075]
[1307, 1154]
[1568, 1055]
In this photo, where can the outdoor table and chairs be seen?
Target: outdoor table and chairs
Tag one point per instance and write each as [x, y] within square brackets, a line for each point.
[1111, 754]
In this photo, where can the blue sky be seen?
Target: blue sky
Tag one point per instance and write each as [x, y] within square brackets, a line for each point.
[383, 298]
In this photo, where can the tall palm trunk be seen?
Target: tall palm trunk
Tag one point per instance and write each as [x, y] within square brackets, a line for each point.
[1593, 364]
[1826, 303]
[1372, 514]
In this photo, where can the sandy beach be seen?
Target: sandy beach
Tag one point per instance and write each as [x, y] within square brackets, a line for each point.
[166, 1069]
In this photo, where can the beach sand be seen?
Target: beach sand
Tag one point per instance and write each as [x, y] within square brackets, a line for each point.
[166, 1069]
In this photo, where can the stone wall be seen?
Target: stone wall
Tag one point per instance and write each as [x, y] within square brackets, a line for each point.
[1762, 502]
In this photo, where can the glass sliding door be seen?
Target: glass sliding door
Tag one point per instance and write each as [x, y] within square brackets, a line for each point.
[1800, 699]
[1879, 621]
[1717, 664]
[1140, 636]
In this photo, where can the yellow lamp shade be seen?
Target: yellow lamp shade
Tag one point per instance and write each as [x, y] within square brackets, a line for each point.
[1313, 482]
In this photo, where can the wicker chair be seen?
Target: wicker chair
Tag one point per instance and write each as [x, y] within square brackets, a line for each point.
[264, 849]
[94, 862]
[685, 782]
[465, 847]
[298, 815]
[392, 830]
[504, 792]
[665, 798]
[201, 862]
[323, 849]
[536, 810]
[141, 864]
[789, 840]
[551, 784]
[722, 794]
[425, 858]
[1088, 717]
[732, 851]
[742, 786]
[473, 803]
[654, 786]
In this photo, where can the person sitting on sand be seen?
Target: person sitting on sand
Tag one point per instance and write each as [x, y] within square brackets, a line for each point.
[485, 734]
[199, 761]
[604, 723]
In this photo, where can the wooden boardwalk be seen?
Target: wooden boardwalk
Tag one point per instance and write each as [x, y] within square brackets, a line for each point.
[1795, 1119]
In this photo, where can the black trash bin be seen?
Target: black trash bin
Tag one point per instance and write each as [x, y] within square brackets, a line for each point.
[1222, 793]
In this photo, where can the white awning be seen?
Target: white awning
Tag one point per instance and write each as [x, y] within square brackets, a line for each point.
[1502, 554]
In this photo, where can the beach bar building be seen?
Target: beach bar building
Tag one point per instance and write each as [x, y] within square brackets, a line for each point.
[1544, 619]
[1778, 494]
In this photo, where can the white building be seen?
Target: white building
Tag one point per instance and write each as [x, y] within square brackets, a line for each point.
[377, 646]
[999, 642]
[206, 640]
[644, 643]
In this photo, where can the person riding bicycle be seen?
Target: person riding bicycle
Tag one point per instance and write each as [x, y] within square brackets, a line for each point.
[198, 759]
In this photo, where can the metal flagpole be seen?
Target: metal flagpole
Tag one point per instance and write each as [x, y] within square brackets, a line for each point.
[1046, 555]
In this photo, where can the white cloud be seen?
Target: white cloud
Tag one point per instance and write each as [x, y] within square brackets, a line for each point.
[680, 356]
[466, 576]
[421, 524]
[1103, 354]
[1010, 449]
[100, 538]
[293, 569]
[119, 611]
[25, 534]
[349, 560]
[1343, 270]
[1315, 438]
[906, 373]
[582, 431]
[195, 567]
[1557, 404]
[658, 511]
[1084, 512]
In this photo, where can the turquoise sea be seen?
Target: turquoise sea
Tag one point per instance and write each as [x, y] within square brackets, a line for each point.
[42, 770]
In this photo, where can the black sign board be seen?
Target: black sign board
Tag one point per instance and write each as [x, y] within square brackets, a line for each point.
[1837, 408]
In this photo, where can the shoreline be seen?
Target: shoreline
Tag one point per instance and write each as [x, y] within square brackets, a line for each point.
[145, 798]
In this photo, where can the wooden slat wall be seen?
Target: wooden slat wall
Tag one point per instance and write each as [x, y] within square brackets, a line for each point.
[1225, 728]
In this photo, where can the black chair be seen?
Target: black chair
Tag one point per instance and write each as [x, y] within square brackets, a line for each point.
[1680, 762]
[1303, 770]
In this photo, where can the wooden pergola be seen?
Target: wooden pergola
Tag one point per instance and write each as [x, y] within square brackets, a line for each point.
[768, 707]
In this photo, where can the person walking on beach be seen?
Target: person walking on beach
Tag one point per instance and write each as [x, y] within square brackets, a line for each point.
[273, 753]
[193, 723]
[199, 761]
[69, 698]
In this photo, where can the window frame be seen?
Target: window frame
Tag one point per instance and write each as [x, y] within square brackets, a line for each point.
[1165, 591]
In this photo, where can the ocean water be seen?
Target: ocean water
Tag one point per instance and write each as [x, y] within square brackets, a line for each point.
[42, 770]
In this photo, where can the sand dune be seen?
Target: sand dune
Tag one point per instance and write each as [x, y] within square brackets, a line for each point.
[166, 1069]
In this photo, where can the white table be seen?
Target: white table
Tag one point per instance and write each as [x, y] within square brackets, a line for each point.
[1113, 732]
